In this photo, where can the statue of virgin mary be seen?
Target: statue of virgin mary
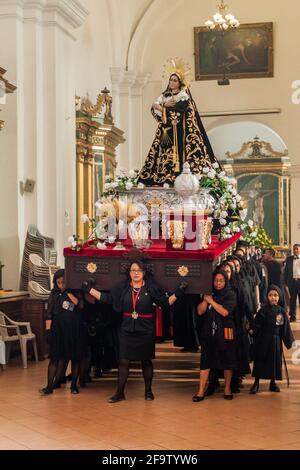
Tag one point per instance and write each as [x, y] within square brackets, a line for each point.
[180, 136]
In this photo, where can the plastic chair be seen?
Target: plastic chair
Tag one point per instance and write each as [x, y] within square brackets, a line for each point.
[6, 326]
[36, 291]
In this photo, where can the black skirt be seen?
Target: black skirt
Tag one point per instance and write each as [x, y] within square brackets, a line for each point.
[136, 346]
[68, 339]
[213, 358]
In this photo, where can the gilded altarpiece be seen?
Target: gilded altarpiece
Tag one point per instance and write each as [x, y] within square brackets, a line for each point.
[263, 181]
[96, 141]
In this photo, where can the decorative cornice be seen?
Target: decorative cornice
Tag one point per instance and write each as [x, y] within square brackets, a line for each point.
[65, 14]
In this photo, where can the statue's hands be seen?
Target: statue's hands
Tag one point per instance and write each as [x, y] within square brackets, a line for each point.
[170, 103]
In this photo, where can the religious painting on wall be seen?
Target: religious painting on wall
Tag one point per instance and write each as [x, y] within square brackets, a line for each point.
[245, 52]
[260, 193]
[263, 181]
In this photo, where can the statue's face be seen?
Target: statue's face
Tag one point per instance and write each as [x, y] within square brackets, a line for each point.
[174, 83]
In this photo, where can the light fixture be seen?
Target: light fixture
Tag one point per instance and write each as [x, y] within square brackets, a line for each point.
[222, 20]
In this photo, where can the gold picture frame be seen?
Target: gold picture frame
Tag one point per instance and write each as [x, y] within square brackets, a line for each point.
[245, 52]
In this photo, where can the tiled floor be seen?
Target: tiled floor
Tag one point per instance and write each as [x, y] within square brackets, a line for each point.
[171, 421]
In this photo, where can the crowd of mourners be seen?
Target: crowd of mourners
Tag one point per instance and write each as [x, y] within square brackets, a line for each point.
[239, 329]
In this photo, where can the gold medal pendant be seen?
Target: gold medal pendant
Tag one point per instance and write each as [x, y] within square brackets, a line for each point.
[134, 315]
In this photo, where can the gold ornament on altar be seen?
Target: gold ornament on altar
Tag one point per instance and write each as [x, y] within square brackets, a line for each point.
[91, 268]
[178, 67]
[176, 231]
[183, 271]
[204, 233]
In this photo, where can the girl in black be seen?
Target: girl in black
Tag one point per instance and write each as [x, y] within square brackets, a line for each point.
[134, 299]
[217, 336]
[271, 329]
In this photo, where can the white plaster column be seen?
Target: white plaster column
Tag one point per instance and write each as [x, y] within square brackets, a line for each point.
[137, 157]
[40, 36]
[127, 89]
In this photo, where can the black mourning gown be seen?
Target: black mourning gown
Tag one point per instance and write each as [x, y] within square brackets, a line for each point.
[192, 143]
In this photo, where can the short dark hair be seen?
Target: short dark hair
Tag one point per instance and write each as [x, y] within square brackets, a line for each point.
[140, 264]
[296, 244]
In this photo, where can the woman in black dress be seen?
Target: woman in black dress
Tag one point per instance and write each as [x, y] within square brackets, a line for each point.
[135, 299]
[51, 331]
[217, 337]
[271, 330]
[67, 342]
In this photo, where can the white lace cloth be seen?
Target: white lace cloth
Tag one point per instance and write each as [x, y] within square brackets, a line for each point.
[2, 352]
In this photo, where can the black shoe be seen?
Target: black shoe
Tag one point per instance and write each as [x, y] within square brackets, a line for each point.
[228, 397]
[149, 396]
[64, 380]
[235, 389]
[274, 388]
[209, 391]
[116, 397]
[254, 389]
[74, 390]
[197, 398]
[55, 386]
[45, 391]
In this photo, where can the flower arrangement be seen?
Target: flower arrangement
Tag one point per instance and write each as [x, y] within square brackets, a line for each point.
[229, 209]
[122, 182]
[256, 235]
[113, 215]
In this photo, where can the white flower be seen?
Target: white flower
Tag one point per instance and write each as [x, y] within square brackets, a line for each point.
[198, 176]
[74, 244]
[98, 205]
[222, 174]
[224, 214]
[107, 178]
[166, 186]
[107, 186]
[233, 205]
[84, 218]
[215, 165]
[253, 234]
[211, 175]
[243, 214]
[129, 185]
[237, 229]
[227, 229]
[140, 185]
[205, 170]
[114, 184]
[234, 192]
[238, 198]
[101, 246]
[71, 239]
[243, 226]
[250, 223]
[132, 173]
[222, 221]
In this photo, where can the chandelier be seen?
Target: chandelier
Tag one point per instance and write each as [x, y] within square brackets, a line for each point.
[222, 20]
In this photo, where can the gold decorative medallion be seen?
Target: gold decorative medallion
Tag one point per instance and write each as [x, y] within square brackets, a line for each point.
[183, 271]
[91, 268]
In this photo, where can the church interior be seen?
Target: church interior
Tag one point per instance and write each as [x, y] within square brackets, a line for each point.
[78, 79]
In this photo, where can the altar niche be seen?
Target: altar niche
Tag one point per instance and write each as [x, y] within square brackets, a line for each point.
[264, 183]
[96, 141]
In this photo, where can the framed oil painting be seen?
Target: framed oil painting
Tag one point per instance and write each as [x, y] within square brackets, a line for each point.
[245, 52]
